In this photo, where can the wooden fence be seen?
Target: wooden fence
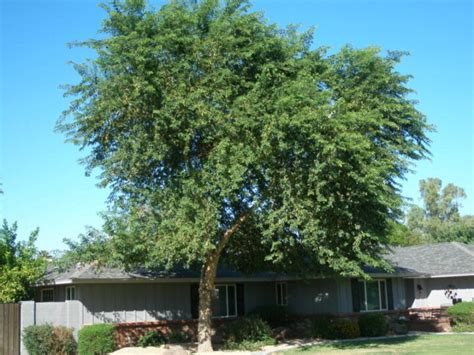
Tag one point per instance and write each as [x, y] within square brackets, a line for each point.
[9, 328]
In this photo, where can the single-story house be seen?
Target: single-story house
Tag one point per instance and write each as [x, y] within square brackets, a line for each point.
[425, 276]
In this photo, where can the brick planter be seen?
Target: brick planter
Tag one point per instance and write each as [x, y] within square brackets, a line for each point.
[429, 319]
[127, 334]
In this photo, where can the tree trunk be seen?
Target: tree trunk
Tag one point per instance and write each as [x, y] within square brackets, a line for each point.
[206, 289]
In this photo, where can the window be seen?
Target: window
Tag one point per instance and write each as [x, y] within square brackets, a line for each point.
[47, 295]
[225, 301]
[373, 295]
[70, 293]
[281, 294]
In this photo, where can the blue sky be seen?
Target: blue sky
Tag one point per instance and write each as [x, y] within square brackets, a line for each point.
[46, 187]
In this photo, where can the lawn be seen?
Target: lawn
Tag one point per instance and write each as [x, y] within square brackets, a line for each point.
[426, 344]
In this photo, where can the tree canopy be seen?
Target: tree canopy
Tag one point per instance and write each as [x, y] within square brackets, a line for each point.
[223, 135]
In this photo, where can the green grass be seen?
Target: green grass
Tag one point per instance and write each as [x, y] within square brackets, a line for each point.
[426, 344]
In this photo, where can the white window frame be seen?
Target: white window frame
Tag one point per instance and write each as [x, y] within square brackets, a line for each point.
[68, 288]
[283, 299]
[227, 300]
[379, 281]
[46, 289]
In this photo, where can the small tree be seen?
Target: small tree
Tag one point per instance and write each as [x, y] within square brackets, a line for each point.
[223, 136]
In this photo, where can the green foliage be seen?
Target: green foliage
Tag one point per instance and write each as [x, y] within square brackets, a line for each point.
[248, 345]
[439, 220]
[400, 235]
[373, 325]
[274, 315]
[151, 338]
[462, 315]
[320, 327]
[251, 329]
[96, 339]
[93, 246]
[201, 113]
[47, 339]
[343, 328]
[177, 337]
[21, 264]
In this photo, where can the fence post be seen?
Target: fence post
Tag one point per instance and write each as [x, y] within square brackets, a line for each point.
[27, 318]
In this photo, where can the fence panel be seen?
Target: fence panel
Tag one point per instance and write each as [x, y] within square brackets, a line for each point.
[9, 328]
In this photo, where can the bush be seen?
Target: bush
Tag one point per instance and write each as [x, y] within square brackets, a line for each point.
[320, 327]
[343, 328]
[248, 333]
[274, 315]
[462, 316]
[178, 338]
[96, 339]
[152, 338]
[248, 345]
[47, 339]
[373, 325]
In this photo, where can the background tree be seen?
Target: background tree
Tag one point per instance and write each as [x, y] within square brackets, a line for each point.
[218, 131]
[92, 246]
[21, 264]
[439, 219]
[400, 235]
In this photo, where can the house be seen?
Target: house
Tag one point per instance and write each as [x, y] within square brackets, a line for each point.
[425, 276]
[445, 272]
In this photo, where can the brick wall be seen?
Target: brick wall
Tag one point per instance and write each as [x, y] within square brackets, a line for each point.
[127, 334]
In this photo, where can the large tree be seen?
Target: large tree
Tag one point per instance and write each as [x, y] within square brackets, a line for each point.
[221, 135]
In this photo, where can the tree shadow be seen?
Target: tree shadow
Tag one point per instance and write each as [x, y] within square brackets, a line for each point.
[365, 344]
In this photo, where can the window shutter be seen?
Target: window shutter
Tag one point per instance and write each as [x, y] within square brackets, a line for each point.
[390, 293]
[355, 295]
[194, 301]
[240, 300]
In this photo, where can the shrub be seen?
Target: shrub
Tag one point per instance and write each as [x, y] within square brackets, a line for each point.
[249, 333]
[151, 338]
[47, 339]
[248, 345]
[373, 325]
[462, 316]
[343, 328]
[178, 337]
[320, 327]
[96, 339]
[274, 315]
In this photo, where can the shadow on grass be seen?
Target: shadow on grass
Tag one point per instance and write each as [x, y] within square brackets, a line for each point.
[364, 344]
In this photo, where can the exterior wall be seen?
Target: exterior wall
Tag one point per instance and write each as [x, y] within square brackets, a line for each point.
[399, 294]
[59, 293]
[344, 296]
[409, 292]
[313, 296]
[258, 294]
[149, 302]
[69, 314]
[431, 292]
[134, 302]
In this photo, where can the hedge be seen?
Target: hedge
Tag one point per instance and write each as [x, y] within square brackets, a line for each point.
[48, 339]
[96, 339]
[462, 316]
[373, 325]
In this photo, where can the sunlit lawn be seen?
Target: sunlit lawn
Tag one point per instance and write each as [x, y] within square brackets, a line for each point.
[426, 344]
